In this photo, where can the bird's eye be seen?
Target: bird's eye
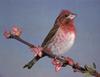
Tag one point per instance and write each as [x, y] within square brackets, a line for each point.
[66, 15]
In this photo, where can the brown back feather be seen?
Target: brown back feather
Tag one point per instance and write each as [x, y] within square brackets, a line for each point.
[50, 35]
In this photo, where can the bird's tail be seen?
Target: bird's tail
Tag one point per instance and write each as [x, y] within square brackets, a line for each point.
[32, 62]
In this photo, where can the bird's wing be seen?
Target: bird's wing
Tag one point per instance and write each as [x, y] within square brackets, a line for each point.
[50, 35]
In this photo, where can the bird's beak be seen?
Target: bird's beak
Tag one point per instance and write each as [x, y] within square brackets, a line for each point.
[71, 16]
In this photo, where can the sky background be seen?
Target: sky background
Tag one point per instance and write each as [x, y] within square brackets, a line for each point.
[36, 18]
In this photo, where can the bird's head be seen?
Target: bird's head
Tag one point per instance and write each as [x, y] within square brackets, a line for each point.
[65, 17]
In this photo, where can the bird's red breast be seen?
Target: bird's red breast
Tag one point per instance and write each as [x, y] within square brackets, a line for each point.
[62, 36]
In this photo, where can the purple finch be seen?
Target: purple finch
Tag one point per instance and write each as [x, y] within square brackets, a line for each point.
[59, 40]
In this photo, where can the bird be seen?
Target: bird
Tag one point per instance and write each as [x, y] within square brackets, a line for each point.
[59, 39]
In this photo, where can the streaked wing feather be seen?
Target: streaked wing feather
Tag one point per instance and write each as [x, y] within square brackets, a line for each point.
[50, 35]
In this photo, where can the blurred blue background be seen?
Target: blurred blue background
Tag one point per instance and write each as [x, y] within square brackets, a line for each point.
[36, 18]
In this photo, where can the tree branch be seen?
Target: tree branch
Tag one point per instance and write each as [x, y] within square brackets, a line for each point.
[75, 66]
